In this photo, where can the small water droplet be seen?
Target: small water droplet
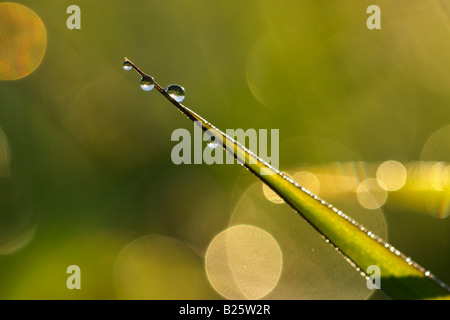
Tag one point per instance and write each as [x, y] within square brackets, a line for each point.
[147, 83]
[127, 65]
[176, 92]
[313, 250]
[212, 143]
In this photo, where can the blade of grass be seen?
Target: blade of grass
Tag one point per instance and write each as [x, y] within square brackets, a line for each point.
[401, 278]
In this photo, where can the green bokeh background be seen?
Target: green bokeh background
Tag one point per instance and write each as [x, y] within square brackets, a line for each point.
[90, 151]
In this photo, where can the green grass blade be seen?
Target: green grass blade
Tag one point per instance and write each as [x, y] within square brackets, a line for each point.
[401, 278]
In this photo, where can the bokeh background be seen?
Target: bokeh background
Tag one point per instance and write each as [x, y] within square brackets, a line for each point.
[86, 176]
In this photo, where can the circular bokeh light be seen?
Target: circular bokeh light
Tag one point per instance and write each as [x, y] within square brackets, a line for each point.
[243, 262]
[23, 40]
[371, 195]
[392, 175]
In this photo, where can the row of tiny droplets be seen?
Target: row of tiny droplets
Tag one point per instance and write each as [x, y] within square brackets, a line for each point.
[408, 260]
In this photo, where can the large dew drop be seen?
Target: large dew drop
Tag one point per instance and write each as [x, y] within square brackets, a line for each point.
[176, 92]
[147, 83]
[212, 143]
[127, 65]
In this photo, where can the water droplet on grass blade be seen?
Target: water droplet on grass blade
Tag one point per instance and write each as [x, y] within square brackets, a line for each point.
[127, 65]
[212, 143]
[176, 92]
[147, 83]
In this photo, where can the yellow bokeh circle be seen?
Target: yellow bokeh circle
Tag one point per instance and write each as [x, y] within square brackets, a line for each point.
[23, 40]
[243, 262]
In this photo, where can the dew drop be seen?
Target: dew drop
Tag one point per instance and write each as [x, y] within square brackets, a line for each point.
[176, 92]
[147, 83]
[127, 65]
[312, 250]
[212, 143]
